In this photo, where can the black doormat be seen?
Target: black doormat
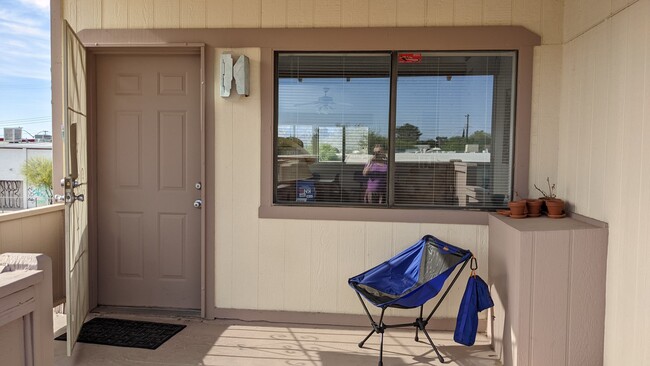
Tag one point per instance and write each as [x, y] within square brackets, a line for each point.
[126, 333]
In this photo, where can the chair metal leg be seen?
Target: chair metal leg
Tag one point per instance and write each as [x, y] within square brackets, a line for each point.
[417, 339]
[365, 339]
[381, 349]
[442, 360]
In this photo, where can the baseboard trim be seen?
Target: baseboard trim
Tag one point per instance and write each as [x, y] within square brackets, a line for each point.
[328, 319]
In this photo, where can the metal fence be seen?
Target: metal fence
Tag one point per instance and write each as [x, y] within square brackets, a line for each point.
[11, 195]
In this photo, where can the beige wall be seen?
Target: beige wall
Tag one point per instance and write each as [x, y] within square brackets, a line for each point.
[37, 230]
[605, 148]
[300, 264]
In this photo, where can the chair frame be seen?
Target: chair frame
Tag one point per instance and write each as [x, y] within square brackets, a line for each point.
[420, 323]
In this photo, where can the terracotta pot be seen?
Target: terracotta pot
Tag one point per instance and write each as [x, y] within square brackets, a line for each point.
[555, 207]
[534, 207]
[517, 208]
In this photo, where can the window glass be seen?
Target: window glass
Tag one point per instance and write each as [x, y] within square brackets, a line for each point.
[451, 129]
[452, 135]
[330, 109]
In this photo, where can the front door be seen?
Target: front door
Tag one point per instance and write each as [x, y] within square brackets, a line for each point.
[149, 170]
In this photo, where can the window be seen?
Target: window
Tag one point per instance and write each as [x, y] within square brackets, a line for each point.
[394, 129]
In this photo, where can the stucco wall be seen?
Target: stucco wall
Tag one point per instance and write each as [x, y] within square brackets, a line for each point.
[300, 264]
[604, 170]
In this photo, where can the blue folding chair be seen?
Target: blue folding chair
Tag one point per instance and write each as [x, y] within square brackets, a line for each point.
[408, 280]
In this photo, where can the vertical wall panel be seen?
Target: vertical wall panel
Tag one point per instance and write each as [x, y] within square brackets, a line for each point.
[643, 289]
[351, 261]
[140, 14]
[552, 24]
[379, 246]
[246, 192]
[613, 180]
[585, 69]
[70, 13]
[528, 14]
[630, 327]
[297, 259]
[193, 14]
[598, 153]
[89, 14]
[550, 247]
[11, 234]
[166, 14]
[355, 13]
[115, 14]
[223, 228]
[612, 60]
[498, 12]
[247, 14]
[274, 13]
[300, 13]
[468, 12]
[219, 13]
[327, 13]
[271, 265]
[440, 12]
[382, 13]
[544, 139]
[411, 13]
[324, 266]
[617, 5]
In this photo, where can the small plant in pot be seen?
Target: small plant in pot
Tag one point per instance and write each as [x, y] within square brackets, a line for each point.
[517, 208]
[554, 205]
[534, 207]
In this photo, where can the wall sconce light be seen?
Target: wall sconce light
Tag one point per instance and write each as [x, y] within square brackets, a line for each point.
[225, 77]
[240, 71]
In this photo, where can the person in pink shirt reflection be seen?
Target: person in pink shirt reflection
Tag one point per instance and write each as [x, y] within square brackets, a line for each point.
[376, 171]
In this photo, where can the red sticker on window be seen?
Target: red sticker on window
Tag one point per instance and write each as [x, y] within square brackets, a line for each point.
[409, 58]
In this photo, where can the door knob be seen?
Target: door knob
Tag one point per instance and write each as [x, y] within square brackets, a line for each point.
[198, 204]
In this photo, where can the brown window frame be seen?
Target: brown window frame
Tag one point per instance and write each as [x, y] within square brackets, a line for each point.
[468, 39]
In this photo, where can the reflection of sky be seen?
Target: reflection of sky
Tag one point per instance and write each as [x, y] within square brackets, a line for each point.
[436, 105]
[358, 102]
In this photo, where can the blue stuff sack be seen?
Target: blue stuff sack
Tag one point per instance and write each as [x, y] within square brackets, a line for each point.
[476, 298]
[483, 295]
[467, 320]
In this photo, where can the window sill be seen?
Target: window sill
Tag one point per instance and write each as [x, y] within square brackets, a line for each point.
[437, 216]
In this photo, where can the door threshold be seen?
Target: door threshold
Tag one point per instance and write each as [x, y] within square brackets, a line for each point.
[146, 311]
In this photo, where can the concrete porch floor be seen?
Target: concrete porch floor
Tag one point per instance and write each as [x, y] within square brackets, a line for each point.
[226, 343]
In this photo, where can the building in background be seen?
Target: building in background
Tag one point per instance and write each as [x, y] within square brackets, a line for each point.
[15, 192]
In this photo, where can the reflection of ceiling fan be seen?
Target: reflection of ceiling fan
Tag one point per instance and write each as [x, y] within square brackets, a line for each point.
[325, 103]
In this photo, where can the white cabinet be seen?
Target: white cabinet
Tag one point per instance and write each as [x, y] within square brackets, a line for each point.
[547, 279]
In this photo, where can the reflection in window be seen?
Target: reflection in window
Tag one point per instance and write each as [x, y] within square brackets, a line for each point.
[451, 129]
[331, 108]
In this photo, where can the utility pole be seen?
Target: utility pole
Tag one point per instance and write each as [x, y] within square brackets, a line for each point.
[467, 128]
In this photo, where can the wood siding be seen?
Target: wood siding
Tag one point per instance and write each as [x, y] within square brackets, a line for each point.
[26, 232]
[303, 265]
[604, 149]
